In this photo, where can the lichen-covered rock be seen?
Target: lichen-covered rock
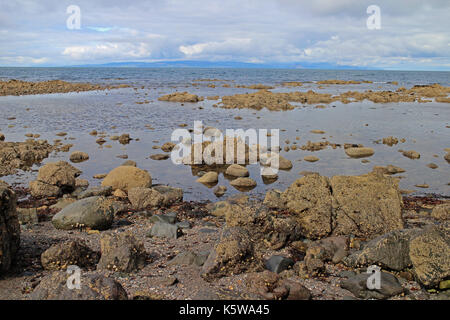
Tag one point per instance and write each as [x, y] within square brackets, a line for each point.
[127, 177]
[39, 189]
[366, 206]
[78, 156]
[62, 255]
[429, 254]
[93, 212]
[92, 287]
[171, 195]
[441, 212]
[9, 228]
[121, 252]
[60, 174]
[142, 198]
[310, 199]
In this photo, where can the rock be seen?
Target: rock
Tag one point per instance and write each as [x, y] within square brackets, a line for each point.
[389, 286]
[429, 254]
[219, 208]
[210, 177]
[220, 191]
[2, 137]
[99, 176]
[284, 164]
[93, 287]
[168, 146]
[95, 191]
[127, 177]
[40, 189]
[120, 194]
[170, 217]
[180, 97]
[447, 157]
[124, 138]
[359, 152]
[243, 183]
[9, 228]
[188, 258]
[94, 212]
[159, 156]
[278, 263]
[165, 230]
[237, 170]
[273, 199]
[317, 131]
[27, 215]
[64, 254]
[78, 156]
[366, 206]
[390, 141]
[311, 158]
[60, 174]
[390, 169]
[441, 212]
[296, 291]
[121, 252]
[62, 203]
[171, 195]
[129, 163]
[233, 254]
[142, 198]
[444, 285]
[411, 154]
[81, 183]
[432, 166]
[310, 199]
[389, 251]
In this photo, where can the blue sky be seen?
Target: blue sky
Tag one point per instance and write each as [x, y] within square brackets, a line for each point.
[414, 35]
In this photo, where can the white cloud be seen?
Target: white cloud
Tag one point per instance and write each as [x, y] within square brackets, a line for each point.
[108, 50]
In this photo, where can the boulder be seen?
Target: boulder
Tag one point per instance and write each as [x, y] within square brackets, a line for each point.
[278, 263]
[210, 177]
[9, 228]
[60, 174]
[39, 189]
[165, 230]
[93, 287]
[359, 152]
[389, 286]
[171, 195]
[411, 154]
[429, 254]
[72, 252]
[142, 198]
[168, 146]
[94, 212]
[243, 183]
[441, 212]
[237, 170]
[188, 258]
[79, 156]
[126, 178]
[121, 252]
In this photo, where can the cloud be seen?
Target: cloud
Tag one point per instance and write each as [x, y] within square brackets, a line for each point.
[108, 50]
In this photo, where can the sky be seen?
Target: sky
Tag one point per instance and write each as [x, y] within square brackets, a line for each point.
[412, 34]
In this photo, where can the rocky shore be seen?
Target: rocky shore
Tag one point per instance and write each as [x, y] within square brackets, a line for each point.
[136, 240]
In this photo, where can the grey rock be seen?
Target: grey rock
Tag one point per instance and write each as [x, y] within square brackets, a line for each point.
[184, 224]
[357, 285]
[278, 263]
[170, 217]
[165, 230]
[94, 212]
[189, 258]
[96, 191]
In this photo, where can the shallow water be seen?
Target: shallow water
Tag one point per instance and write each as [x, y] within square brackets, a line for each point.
[422, 125]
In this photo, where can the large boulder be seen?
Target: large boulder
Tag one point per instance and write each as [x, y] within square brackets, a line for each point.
[62, 255]
[9, 228]
[121, 252]
[126, 178]
[367, 205]
[310, 199]
[53, 179]
[93, 212]
[142, 198]
[92, 287]
[429, 254]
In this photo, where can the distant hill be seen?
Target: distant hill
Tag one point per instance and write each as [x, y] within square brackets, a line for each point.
[218, 64]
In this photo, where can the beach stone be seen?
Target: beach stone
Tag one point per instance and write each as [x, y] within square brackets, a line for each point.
[210, 177]
[126, 178]
[124, 138]
[278, 264]
[129, 163]
[165, 230]
[142, 198]
[441, 212]
[411, 154]
[93, 287]
[359, 152]
[64, 254]
[184, 224]
[296, 290]
[159, 156]
[220, 191]
[219, 208]
[96, 191]
[171, 195]
[39, 189]
[168, 146]
[79, 156]
[311, 158]
[9, 228]
[429, 254]
[188, 258]
[170, 217]
[121, 252]
[284, 164]
[60, 174]
[243, 183]
[237, 170]
[93, 212]
[357, 285]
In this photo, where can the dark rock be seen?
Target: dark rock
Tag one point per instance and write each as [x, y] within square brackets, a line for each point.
[357, 285]
[278, 263]
[9, 228]
[61, 255]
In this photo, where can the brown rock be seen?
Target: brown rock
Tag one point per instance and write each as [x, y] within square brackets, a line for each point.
[127, 177]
